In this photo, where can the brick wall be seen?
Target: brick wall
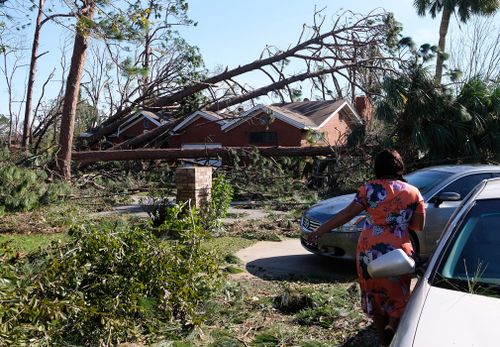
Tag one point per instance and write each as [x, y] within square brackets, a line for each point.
[336, 129]
[200, 131]
[240, 136]
[195, 184]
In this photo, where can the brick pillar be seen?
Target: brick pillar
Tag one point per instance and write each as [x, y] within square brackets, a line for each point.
[193, 183]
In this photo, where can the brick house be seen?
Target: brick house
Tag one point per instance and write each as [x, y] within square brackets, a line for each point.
[288, 124]
[135, 124]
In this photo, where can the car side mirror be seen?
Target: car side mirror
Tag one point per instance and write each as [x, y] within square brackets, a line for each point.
[393, 263]
[446, 196]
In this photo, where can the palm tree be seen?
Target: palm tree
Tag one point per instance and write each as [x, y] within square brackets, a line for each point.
[482, 100]
[464, 8]
[424, 120]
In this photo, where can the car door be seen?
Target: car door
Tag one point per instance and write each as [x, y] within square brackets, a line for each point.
[438, 213]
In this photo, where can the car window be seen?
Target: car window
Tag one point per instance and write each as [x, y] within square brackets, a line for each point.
[465, 184]
[470, 262]
[425, 180]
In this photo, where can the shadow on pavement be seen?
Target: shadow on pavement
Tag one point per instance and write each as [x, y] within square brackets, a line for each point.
[303, 267]
[364, 338]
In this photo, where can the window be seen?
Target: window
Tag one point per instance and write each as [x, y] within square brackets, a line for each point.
[268, 138]
[465, 184]
[471, 260]
[425, 180]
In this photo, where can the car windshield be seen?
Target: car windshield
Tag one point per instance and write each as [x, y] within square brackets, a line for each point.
[425, 180]
[471, 261]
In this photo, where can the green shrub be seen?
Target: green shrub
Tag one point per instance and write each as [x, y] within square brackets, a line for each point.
[220, 199]
[24, 189]
[177, 219]
[157, 205]
[168, 218]
[110, 283]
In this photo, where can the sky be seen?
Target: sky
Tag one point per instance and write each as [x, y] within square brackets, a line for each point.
[234, 32]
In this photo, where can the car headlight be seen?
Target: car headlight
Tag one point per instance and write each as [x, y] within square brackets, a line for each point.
[353, 226]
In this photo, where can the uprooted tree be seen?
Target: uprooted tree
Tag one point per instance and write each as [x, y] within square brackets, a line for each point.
[357, 51]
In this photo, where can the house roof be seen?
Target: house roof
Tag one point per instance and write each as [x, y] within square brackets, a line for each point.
[208, 115]
[299, 118]
[303, 115]
[316, 111]
[134, 119]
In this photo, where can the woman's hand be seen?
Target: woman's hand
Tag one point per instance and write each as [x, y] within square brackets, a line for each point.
[344, 216]
[313, 238]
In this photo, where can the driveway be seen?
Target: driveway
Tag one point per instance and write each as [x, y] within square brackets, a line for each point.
[287, 260]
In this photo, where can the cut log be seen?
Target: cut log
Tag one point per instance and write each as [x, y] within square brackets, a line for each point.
[177, 153]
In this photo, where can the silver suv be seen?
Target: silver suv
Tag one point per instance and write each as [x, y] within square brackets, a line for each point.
[443, 189]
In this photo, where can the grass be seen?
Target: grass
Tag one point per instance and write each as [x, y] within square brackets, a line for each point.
[247, 314]
[227, 246]
[271, 228]
[48, 219]
[30, 243]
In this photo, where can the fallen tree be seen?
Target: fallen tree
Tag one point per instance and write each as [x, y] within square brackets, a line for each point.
[88, 157]
[357, 50]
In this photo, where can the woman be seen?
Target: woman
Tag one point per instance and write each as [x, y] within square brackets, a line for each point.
[392, 207]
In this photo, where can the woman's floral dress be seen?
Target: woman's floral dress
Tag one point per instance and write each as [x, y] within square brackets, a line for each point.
[390, 205]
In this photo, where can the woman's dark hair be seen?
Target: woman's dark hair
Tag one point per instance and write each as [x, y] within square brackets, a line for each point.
[389, 164]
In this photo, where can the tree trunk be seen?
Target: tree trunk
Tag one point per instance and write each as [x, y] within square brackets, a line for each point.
[145, 62]
[31, 78]
[271, 87]
[141, 140]
[71, 94]
[443, 30]
[174, 154]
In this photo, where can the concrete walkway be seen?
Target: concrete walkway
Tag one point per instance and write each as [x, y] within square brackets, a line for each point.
[235, 212]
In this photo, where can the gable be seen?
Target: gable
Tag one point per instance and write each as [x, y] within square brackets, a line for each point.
[296, 121]
[211, 117]
[135, 119]
[345, 110]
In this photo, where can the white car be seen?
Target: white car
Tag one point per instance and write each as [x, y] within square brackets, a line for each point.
[457, 300]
